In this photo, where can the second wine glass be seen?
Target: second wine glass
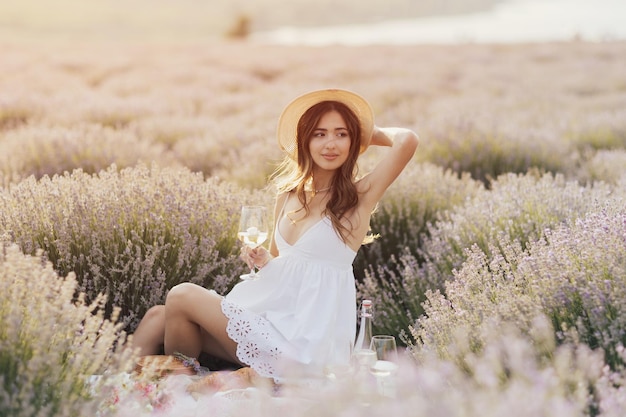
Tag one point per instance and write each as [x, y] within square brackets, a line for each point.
[253, 230]
[386, 364]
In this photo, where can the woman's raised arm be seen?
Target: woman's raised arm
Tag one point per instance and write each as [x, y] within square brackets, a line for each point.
[403, 143]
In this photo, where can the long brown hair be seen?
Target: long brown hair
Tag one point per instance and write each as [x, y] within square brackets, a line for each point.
[292, 176]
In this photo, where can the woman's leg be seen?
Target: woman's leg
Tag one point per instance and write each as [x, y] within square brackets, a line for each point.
[149, 335]
[194, 322]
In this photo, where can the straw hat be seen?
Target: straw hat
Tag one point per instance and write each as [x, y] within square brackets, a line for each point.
[288, 121]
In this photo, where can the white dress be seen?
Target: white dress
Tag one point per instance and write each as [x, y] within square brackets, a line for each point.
[301, 310]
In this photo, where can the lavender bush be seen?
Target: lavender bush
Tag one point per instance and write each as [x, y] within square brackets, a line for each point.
[212, 109]
[604, 165]
[574, 274]
[518, 207]
[411, 203]
[49, 150]
[50, 340]
[488, 152]
[130, 235]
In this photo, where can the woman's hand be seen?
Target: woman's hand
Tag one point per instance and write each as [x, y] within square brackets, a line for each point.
[257, 257]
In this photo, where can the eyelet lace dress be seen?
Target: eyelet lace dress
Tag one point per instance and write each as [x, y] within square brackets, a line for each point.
[301, 310]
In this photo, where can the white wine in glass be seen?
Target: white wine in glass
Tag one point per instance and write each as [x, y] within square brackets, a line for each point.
[385, 366]
[253, 230]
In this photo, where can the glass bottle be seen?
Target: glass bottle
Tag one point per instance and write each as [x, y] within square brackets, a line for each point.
[363, 355]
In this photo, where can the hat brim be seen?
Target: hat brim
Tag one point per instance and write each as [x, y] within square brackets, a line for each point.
[288, 121]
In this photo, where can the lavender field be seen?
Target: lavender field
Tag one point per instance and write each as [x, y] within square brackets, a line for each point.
[501, 266]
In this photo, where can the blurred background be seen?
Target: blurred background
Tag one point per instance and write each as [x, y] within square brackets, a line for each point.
[320, 22]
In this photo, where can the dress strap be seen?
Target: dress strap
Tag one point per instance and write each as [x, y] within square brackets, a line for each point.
[282, 210]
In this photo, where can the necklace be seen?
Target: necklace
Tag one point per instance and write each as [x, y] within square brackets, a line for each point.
[292, 221]
[293, 212]
[321, 190]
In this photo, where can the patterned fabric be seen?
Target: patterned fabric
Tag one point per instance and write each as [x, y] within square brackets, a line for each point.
[253, 335]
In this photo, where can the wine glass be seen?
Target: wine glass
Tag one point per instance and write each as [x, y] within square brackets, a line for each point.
[386, 364]
[253, 229]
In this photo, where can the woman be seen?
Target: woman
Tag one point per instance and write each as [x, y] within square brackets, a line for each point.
[301, 311]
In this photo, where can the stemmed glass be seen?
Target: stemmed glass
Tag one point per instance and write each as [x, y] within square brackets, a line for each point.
[253, 229]
[386, 365]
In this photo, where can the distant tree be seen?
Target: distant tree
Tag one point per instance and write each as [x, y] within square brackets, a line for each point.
[240, 28]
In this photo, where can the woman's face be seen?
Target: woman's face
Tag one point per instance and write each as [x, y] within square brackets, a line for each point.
[330, 144]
